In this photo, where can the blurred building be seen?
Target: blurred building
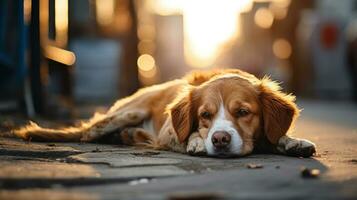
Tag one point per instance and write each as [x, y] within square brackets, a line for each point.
[305, 45]
[71, 53]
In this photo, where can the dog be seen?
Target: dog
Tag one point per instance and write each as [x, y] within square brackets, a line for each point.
[220, 113]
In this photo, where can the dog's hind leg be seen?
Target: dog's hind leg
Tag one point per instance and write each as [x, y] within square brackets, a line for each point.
[136, 136]
[115, 121]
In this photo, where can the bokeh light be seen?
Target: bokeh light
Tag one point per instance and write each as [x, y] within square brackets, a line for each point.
[148, 71]
[146, 62]
[282, 48]
[264, 18]
[60, 55]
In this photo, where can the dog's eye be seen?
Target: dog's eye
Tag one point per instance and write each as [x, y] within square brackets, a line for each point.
[242, 112]
[206, 115]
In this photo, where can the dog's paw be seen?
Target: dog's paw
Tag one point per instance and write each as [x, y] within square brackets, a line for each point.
[297, 147]
[196, 147]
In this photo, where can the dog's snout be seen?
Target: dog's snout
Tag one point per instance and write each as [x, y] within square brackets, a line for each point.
[221, 139]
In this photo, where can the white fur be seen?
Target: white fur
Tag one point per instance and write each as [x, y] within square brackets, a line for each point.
[221, 123]
[286, 143]
[148, 125]
[196, 146]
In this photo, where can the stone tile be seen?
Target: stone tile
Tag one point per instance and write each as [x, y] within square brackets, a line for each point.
[135, 172]
[122, 159]
[10, 168]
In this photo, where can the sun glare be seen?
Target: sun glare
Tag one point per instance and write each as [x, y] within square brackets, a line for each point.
[208, 25]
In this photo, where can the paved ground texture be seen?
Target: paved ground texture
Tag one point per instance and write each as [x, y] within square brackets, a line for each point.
[96, 171]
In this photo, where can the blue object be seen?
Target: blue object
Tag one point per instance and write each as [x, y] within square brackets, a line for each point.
[13, 32]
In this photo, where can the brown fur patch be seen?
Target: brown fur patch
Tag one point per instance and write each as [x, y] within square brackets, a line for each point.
[182, 115]
[279, 110]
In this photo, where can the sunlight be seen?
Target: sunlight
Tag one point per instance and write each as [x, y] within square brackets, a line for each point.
[207, 28]
[208, 25]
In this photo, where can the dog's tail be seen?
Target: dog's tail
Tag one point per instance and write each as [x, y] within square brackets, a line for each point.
[37, 133]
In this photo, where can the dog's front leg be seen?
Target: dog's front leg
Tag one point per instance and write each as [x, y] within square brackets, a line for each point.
[295, 147]
[196, 145]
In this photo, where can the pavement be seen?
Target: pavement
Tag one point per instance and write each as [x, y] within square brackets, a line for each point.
[31, 170]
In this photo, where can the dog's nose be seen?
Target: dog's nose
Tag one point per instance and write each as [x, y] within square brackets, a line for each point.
[221, 139]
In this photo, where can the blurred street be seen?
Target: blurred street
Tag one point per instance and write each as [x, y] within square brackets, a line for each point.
[30, 170]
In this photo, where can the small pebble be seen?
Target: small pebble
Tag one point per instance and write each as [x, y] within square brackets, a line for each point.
[139, 181]
[310, 173]
[254, 166]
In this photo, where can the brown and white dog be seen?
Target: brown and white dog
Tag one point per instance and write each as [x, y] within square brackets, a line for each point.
[214, 113]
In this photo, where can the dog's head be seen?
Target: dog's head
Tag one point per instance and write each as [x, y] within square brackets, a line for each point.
[231, 112]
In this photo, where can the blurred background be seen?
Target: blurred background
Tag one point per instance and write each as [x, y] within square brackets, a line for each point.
[65, 59]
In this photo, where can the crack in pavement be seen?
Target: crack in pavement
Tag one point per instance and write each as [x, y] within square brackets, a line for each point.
[28, 183]
[39, 154]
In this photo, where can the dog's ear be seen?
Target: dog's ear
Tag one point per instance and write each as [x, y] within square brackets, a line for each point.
[278, 110]
[182, 114]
